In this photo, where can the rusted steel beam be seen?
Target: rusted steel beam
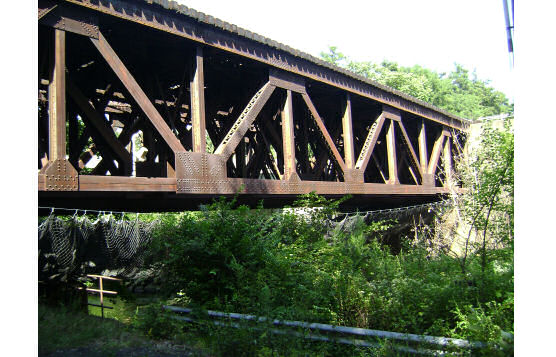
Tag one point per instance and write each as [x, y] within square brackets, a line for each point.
[58, 174]
[423, 154]
[66, 18]
[45, 6]
[414, 174]
[244, 121]
[43, 127]
[85, 157]
[231, 186]
[305, 165]
[137, 93]
[414, 162]
[391, 113]
[57, 99]
[288, 143]
[379, 168]
[107, 164]
[100, 124]
[124, 139]
[166, 105]
[321, 159]
[391, 153]
[269, 159]
[274, 138]
[347, 126]
[435, 155]
[370, 142]
[447, 156]
[241, 42]
[132, 184]
[287, 81]
[197, 90]
[324, 134]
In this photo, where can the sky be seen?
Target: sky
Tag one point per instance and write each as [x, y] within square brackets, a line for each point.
[432, 33]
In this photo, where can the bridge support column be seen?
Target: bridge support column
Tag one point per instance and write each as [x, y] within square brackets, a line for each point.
[392, 158]
[197, 89]
[288, 142]
[348, 135]
[447, 162]
[58, 174]
[423, 155]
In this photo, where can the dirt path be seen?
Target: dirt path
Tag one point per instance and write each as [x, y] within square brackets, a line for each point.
[156, 350]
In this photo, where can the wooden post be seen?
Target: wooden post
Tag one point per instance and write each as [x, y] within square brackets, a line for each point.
[197, 89]
[392, 159]
[57, 99]
[288, 142]
[348, 135]
[101, 297]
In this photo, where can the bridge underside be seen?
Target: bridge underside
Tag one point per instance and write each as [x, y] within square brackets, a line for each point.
[144, 108]
[167, 202]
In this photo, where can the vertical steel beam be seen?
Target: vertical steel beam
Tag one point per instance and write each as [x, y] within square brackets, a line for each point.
[57, 99]
[392, 158]
[423, 155]
[448, 161]
[288, 142]
[197, 90]
[58, 174]
[349, 152]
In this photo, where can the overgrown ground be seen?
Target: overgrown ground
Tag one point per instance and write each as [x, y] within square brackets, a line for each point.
[291, 266]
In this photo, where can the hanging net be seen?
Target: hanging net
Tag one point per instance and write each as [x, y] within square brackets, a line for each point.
[74, 247]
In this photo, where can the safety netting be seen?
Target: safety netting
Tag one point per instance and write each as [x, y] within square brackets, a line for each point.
[410, 215]
[71, 247]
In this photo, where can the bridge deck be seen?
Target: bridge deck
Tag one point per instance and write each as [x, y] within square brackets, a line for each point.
[162, 106]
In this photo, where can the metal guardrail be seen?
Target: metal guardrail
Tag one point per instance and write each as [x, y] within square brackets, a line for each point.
[437, 345]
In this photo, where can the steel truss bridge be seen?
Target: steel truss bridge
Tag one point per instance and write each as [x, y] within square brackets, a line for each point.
[150, 105]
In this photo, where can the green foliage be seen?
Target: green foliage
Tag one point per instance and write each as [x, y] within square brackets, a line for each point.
[155, 322]
[486, 208]
[457, 92]
[60, 327]
[290, 265]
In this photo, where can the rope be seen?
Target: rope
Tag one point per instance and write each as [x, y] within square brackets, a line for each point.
[398, 209]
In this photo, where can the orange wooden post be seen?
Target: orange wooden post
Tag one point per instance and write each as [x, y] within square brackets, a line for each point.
[101, 297]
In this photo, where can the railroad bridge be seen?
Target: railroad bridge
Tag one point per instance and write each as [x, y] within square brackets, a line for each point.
[151, 105]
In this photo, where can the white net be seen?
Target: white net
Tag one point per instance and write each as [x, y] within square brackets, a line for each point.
[76, 246]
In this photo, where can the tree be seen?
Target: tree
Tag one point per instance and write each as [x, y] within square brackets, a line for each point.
[457, 92]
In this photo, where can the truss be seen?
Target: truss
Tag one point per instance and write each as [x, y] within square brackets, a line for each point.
[135, 97]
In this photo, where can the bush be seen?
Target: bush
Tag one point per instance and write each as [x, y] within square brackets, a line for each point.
[155, 322]
[291, 265]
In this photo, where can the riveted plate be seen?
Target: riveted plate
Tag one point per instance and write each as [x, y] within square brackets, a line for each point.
[60, 175]
[194, 171]
[72, 19]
